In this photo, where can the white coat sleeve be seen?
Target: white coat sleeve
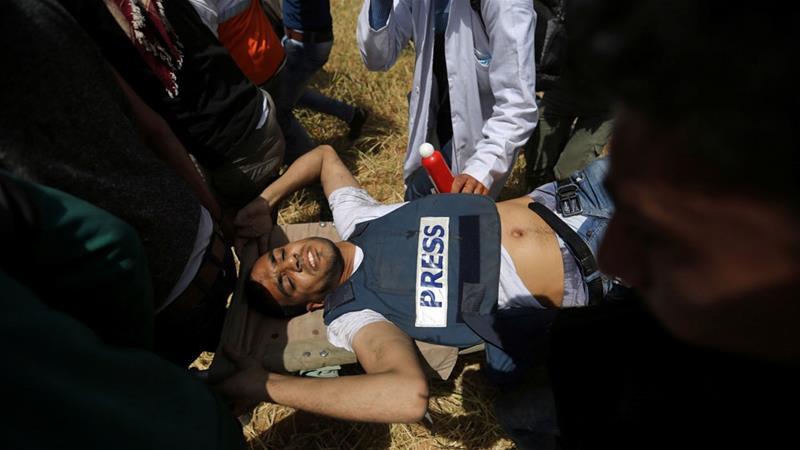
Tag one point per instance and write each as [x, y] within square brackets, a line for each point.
[208, 12]
[510, 26]
[380, 48]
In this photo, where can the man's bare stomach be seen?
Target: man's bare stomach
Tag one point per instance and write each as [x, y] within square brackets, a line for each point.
[533, 247]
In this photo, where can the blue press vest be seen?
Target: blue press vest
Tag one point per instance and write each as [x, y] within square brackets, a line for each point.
[403, 271]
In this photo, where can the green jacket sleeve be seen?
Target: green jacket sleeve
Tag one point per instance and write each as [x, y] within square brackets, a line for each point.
[65, 388]
[78, 258]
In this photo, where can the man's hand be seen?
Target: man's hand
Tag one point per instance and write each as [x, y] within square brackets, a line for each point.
[466, 184]
[254, 221]
[394, 389]
[247, 387]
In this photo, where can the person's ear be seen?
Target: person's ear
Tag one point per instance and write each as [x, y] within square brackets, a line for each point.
[313, 306]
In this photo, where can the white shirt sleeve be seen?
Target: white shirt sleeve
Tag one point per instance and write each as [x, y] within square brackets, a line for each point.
[351, 206]
[510, 26]
[344, 328]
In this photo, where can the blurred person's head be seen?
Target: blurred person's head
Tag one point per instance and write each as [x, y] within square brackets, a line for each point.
[296, 276]
[702, 164]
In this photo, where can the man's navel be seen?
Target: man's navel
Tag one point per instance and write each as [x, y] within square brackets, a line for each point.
[525, 233]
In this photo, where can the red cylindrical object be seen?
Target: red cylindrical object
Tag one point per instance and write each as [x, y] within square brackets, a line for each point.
[437, 169]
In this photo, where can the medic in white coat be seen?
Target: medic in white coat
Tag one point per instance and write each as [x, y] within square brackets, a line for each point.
[491, 77]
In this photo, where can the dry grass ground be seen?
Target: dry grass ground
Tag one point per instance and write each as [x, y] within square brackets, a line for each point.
[461, 408]
[461, 411]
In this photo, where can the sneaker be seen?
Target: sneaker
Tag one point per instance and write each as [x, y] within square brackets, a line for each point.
[357, 123]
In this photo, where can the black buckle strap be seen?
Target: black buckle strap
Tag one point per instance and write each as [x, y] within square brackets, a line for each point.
[567, 201]
[583, 254]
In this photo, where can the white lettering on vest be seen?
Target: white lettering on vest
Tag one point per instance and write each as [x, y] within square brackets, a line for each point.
[431, 295]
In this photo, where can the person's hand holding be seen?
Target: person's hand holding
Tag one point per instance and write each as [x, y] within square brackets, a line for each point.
[466, 184]
[246, 387]
[254, 221]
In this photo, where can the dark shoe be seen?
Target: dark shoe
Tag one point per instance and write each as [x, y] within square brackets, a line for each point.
[357, 123]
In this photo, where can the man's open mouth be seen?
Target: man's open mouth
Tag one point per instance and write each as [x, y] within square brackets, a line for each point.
[311, 259]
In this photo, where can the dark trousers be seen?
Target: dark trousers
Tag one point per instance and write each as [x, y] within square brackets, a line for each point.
[182, 333]
[570, 134]
[620, 380]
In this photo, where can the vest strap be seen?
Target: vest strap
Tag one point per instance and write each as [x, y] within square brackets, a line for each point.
[469, 249]
[340, 296]
[581, 251]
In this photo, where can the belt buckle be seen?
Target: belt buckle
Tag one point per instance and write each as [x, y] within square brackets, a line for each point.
[291, 33]
[567, 200]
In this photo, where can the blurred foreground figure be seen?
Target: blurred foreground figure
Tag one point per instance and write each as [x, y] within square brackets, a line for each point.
[85, 143]
[703, 177]
[77, 319]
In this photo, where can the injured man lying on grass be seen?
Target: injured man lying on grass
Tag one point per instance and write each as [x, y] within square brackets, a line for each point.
[451, 269]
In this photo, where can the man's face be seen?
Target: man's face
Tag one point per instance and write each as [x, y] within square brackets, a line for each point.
[299, 272]
[699, 255]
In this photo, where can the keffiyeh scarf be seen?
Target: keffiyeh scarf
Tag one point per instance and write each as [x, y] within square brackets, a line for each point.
[145, 24]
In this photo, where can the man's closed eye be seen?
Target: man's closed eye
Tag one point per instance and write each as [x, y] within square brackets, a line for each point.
[289, 282]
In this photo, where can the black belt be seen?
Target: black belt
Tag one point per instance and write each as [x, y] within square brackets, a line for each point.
[314, 37]
[583, 254]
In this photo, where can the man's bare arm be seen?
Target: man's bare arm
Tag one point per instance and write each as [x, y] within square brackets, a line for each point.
[394, 390]
[322, 164]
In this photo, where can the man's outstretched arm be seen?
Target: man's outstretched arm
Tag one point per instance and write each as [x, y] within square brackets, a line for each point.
[322, 164]
[394, 389]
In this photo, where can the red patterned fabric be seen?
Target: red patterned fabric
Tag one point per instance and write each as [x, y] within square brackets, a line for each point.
[148, 29]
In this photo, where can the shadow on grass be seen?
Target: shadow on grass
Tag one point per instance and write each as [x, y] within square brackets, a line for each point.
[303, 430]
[377, 127]
[467, 419]
[462, 412]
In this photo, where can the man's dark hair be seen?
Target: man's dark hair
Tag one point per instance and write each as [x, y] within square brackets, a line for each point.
[259, 299]
[723, 74]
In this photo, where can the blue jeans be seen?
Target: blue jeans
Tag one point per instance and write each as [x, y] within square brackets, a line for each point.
[597, 206]
[303, 60]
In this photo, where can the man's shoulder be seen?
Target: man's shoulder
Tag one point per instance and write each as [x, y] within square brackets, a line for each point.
[343, 329]
[354, 205]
